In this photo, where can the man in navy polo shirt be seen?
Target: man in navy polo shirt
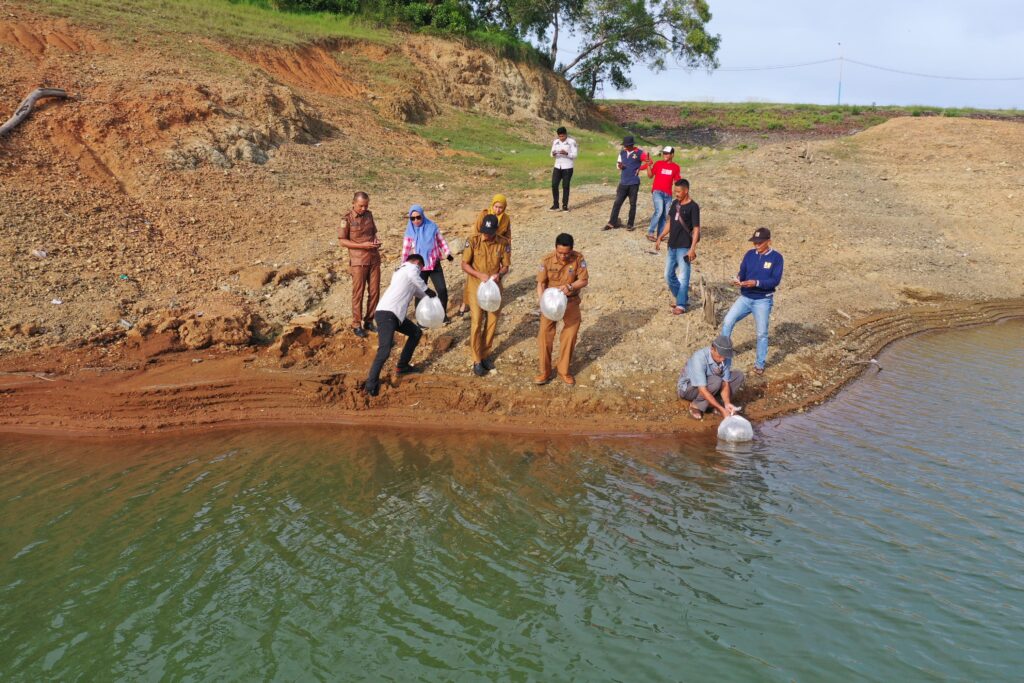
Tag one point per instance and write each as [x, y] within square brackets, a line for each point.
[631, 161]
[760, 273]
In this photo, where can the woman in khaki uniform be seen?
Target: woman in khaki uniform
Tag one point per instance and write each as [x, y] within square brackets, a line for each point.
[498, 205]
[486, 258]
[567, 270]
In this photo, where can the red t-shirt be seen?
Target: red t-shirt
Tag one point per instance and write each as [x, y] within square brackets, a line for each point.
[665, 173]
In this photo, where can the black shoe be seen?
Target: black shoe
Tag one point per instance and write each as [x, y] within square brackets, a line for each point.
[368, 325]
[447, 320]
[372, 390]
[359, 332]
[608, 226]
[553, 208]
[630, 228]
[565, 208]
[479, 370]
[409, 370]
[487, 363]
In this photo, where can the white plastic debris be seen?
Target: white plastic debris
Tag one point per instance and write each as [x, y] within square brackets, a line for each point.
[735, 429]
[57, 302]
[489, 296]
[430, 312]
[553, 303]
[39, 253]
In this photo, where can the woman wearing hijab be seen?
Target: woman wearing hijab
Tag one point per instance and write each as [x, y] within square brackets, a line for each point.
[498, 205]
[423, 237]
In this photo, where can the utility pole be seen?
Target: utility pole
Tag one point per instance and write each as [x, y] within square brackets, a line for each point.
[839, 93]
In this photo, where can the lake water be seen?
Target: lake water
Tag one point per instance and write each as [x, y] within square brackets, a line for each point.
[879, 537]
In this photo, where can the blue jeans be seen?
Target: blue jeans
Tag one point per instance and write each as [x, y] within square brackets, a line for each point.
[676, 261]
[661, 203]
[761, 308]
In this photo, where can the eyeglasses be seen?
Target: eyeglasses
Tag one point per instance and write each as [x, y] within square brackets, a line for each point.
[415, 218]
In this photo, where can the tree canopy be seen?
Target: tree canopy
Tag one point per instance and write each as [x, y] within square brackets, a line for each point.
[614, 35]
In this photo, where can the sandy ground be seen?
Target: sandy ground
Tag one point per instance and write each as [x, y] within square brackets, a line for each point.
[912, 225]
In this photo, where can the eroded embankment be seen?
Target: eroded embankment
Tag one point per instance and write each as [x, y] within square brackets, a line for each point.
[174, 392]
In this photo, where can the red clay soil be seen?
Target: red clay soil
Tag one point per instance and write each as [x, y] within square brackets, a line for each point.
[112, 385]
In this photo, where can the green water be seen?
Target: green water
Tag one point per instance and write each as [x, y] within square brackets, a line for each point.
[880, 537]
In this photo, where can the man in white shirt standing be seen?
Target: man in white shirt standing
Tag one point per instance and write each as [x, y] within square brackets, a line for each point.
[406, 283]
[564, 149]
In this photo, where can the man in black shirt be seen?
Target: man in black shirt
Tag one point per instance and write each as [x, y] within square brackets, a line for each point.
[683, 229]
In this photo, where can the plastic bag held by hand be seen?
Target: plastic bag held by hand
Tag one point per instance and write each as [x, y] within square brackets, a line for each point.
[735, 429]
[553, 303]
[489, 296]
[429, 312]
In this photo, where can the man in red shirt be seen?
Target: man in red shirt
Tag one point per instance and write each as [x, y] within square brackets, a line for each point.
[665, 174]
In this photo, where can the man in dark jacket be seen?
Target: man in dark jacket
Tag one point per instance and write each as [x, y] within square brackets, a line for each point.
[760, 273]
[631, 161]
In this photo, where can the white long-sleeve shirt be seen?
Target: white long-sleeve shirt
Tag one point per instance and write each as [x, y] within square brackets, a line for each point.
[571, 150]
[406, 283]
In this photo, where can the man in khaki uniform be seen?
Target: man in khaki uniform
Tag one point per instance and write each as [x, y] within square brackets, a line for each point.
[358, 233]
[567, 270]
[486, 258]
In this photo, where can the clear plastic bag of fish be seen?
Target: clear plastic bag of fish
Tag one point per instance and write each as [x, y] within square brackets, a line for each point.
[735, 429]
[553, 303]
[489, 296]
[430, 312]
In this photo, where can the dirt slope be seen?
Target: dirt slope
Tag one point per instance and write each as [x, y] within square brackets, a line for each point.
[195, 203]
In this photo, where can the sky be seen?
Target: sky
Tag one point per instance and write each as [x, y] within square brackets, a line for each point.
[980, 38]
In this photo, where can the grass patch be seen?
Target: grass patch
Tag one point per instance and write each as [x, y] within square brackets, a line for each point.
[765, 117]
[520, 152]
[238, 22]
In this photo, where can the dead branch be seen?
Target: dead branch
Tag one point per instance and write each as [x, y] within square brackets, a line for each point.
[25, 108]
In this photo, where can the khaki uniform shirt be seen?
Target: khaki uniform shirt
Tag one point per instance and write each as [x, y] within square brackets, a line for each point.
[554, 273]
[488, 257]
[363, 230]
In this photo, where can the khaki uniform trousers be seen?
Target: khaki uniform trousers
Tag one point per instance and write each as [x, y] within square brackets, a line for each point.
[364, 278]
[482, 324]
[566, 341]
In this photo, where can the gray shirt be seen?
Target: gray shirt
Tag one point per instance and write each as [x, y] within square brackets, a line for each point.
[701, 366]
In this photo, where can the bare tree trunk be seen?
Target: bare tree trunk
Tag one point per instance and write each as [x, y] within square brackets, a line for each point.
[25, 108]
[554, 43]
[596, 45]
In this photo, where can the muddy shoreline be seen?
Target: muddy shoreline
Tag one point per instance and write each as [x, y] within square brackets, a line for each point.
[229, 389]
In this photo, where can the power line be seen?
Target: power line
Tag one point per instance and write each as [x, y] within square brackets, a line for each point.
[858, 63]
[946, 78]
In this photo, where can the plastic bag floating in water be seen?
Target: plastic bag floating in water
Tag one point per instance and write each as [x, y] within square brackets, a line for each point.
[735, 429]
[489, 296]
[429, 312]
[553, 303]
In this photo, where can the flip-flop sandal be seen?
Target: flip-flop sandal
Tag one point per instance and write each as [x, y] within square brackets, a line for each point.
[678, 310]
[758, 371]
[696, 414]
[652, 238]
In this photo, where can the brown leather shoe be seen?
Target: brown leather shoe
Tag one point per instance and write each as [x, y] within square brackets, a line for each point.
[568, 379]
[541, 379]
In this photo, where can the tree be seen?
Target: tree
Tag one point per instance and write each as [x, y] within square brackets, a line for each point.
[617, 34]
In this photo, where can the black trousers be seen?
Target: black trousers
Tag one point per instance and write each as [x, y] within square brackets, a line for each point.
[561, 176]
[436, 277]
[387, 325]
[621, 193]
